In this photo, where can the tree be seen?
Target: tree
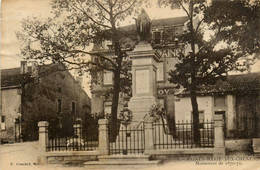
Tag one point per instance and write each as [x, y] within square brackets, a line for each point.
[233, 44]
[75, 24]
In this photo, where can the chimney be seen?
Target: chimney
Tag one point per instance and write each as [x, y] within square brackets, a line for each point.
[24, 67]
[79, 80]
[34, 68]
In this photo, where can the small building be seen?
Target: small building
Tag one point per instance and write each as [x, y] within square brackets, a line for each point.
[40, 92]
[237, 99]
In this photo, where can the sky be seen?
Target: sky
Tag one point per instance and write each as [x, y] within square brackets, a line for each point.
[13, 11]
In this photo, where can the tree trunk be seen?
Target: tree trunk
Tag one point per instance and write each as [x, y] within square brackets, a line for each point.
[113, 123]
[193, 86]
[195, 116]
[115, 98]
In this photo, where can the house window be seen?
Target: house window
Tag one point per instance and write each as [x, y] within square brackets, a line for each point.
[107, 78]
[73, 107]
[59, 89]
[59, 106]
[160, 72]
[201, 116]
[201, 119]
[219, 101]
[3, 122]
[157, 37]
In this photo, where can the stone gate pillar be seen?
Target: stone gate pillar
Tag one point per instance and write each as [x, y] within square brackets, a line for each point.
[43, 142]
[149, 142]
[144, 87]
[43, 135]
[103, 138]
[219, 143]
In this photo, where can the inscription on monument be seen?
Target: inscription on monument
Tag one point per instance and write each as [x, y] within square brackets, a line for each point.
[142, 81]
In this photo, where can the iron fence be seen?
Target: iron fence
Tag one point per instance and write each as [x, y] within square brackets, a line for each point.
[130, 140]
[79, 140]
[183, 135]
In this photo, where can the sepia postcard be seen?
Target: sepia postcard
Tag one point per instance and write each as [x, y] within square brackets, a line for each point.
[130, 84]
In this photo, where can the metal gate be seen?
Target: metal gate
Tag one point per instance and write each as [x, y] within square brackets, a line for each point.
[130, 140]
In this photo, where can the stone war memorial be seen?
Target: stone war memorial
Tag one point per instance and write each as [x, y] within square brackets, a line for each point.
[145, 135]
[144, 59]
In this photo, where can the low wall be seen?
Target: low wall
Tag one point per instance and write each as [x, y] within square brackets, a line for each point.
[179, 153]
[238, 145]
[71, 157]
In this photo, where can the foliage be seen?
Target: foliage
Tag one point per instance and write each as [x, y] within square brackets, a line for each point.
[126, 116]
[75, 24]
[157, 112]
[233, 27]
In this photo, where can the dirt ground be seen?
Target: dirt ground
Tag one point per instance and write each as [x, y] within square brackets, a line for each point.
[24, 156]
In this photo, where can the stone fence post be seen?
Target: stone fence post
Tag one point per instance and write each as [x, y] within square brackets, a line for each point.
[103, 138]
[219, 143]
[43, 142]
[148, 128]
[43, 135]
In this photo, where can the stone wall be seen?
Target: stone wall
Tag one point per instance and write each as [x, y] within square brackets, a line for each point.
[183, 108]
[11, 101]
[71, 157]
[239, 145]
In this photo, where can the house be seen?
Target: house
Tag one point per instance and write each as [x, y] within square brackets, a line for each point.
[237, 98]
[40, 92]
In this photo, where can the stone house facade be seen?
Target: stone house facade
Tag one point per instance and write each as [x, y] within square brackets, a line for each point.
[33, 93]
[237, 99]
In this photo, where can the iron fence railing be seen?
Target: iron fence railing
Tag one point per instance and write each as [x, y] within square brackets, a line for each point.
[77, 141]
[130, 140]
[183, 135]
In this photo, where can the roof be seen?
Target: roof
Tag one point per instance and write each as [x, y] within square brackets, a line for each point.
[158, 23]
[233, 83]
[12, 77]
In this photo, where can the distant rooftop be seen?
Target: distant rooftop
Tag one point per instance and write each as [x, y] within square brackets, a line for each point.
[12, 77]
[157, 23]
[233, 83]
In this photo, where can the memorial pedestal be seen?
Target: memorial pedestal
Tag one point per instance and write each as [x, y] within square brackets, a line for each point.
[144, 88]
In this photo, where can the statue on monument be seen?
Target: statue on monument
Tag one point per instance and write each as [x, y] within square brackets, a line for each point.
[143, 25]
